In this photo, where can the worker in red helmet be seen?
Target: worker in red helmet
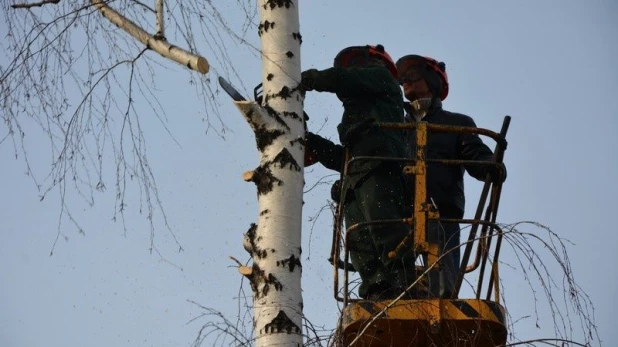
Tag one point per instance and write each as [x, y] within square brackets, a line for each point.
[425, 85]
[364, 78]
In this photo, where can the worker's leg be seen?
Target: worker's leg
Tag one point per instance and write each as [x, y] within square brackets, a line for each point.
[381, 196]
[451, 260]
[363, 255]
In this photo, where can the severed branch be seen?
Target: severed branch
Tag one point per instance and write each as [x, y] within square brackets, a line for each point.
[179, 55]
[35, 4]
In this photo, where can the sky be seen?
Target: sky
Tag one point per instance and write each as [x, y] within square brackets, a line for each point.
[550, 65]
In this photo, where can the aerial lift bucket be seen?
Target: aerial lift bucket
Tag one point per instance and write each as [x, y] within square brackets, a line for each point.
[430, 320]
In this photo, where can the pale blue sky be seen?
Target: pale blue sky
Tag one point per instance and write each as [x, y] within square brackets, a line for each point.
[550, 65]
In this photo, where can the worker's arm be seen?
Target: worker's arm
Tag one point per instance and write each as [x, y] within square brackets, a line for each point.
[373, 80]
[328, 153]
[473, 148]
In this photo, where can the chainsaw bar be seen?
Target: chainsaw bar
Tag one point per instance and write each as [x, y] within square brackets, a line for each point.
[230, 90]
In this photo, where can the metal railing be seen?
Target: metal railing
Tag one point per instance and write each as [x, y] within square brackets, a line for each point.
[424, 212]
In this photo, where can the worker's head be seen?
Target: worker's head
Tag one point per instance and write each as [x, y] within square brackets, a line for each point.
[422, 77]
[357, 56]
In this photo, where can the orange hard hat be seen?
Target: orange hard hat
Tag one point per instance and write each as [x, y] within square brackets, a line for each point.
[351, 55]
[407, 62]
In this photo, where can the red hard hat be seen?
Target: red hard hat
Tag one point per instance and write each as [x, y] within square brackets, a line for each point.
[350, 54]
[404, 63]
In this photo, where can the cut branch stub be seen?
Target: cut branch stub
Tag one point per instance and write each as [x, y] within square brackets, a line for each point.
[258, 116]
[245, 271]
[263, 179]
[247, 176]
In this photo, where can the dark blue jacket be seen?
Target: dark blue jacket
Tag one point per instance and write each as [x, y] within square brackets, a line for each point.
[445, 184]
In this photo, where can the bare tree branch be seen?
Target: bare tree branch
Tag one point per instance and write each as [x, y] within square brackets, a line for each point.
[179, 55]
[144, 6]
[35, 4]
[71, 75]
[160, 24]
[550, 342]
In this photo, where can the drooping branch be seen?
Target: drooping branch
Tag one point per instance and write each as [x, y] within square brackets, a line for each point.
[35, 4]
[160, 24]
[179, 55]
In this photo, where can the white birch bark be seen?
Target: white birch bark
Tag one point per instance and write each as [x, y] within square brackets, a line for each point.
[275, 242]
[159, 7]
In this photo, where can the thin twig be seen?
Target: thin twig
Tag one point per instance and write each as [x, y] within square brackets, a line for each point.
[545, 341]
[35, 4]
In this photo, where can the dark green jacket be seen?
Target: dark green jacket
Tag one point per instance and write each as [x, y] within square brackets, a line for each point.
[368, 93]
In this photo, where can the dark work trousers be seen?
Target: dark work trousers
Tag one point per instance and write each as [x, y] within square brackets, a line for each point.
[379, 196]
[449, 241]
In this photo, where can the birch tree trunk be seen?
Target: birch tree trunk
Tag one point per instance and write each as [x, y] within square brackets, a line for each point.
[275, 241]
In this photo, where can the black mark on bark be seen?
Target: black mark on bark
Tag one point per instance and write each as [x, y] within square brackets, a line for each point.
[274, 281]
[299, 37]
[285, 93]
[292, 262]
[300, 140]
[257, 275]
[292, 115]
[281, 323]
[265, 180]
[278, 3]
[263, 27]
[285, 158]
[265, 138]
[275, 115]
[250, 243]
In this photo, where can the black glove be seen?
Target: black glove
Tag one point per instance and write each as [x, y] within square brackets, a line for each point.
[312, 140]
[335, 191]
[308, 78]
[497, 172]
[311, 157]
[319, 144]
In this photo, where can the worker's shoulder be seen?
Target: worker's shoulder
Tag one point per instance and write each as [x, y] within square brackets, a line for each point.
[455, 118]
[374, 71]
